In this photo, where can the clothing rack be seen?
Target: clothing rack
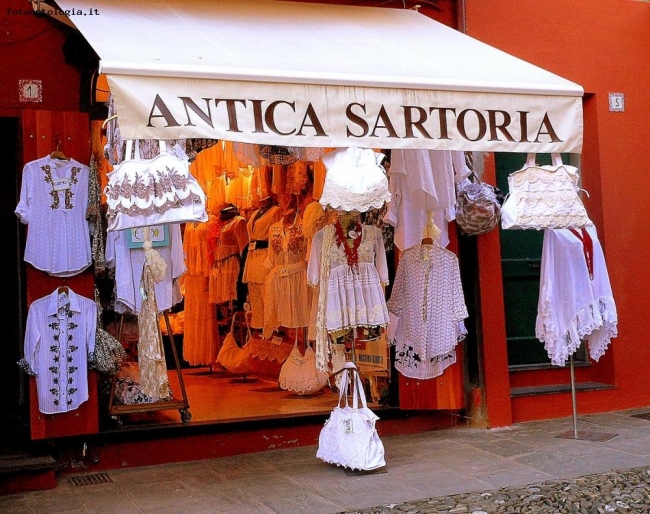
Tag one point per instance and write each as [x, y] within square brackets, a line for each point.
[183, 406]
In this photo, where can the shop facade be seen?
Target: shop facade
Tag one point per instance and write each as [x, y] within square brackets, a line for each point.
[496, 383]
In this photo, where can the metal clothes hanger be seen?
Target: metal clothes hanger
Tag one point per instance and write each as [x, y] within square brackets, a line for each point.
[58, 154]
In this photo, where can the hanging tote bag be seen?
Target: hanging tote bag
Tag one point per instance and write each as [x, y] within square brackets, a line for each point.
[478, 209]
[544, 197]
[235, 359]
[349, 437]
[145, 192]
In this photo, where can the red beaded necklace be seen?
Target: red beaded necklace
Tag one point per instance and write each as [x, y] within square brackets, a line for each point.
[351, 252]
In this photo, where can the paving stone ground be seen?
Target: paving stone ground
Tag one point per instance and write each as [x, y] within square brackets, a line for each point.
[625, 491]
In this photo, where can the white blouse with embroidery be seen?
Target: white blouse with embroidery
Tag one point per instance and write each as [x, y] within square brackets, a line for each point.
[59, 342]
[53, 202]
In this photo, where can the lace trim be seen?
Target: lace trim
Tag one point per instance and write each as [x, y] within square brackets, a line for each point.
[322, 340]
[542, 177]
[596, 322]
[265, 349]
[553, 220]
[342, 198]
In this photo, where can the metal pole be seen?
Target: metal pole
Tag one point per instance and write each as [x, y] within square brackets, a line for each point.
[573, 398]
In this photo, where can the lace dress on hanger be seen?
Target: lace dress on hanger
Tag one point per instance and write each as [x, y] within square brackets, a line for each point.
[350, 295]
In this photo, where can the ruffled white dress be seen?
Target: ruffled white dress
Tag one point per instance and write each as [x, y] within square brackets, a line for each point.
[572, 306]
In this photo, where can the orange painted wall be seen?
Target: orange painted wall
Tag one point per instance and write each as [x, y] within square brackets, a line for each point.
[605, 47]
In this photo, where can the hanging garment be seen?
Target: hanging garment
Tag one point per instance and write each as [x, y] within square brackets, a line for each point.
[226, 240]
[429, 305]
[575, 297]
[128, 263]
[53, 202]
[200, 341]
[151, 353]
[254, 270]
[286, 294]
[422, 181]
[59, 344]
[351, 294]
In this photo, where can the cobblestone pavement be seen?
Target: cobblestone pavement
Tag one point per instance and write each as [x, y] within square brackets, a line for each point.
[616, 491]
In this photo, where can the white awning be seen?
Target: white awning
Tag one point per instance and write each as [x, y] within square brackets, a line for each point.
[304, 74]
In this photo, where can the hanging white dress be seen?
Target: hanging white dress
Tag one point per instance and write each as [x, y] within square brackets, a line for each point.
[428, 303]
[573, 305]
[421, 181]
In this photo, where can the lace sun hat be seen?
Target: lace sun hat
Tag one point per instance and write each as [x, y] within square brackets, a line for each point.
[355, 180]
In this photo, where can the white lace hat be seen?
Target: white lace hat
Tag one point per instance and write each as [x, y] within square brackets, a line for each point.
[355, 180]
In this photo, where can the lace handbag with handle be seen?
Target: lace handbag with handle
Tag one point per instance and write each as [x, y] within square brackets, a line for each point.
[544, 197]
[349, 437]
[299, 373]
[144, 192]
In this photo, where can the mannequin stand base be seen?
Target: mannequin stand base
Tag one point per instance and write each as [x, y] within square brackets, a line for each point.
[357, 472]
[244, 380]
[596, 437]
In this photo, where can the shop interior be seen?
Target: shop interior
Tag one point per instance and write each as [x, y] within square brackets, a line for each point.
[225, 360]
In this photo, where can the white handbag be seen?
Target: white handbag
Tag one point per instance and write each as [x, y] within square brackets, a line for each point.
[145, 192]
[349, 437]
[544, 197]
[299, 374]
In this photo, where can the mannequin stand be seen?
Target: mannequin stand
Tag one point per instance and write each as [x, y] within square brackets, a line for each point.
[575, 434]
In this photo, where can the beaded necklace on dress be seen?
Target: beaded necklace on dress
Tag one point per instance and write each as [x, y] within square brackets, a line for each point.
[351, 251]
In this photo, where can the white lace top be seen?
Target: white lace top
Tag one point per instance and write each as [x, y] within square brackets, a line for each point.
[427, 298]
[572, 307]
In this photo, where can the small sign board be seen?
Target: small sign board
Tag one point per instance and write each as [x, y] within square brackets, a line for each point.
[30, 90]
[617, 102]
[158, 235]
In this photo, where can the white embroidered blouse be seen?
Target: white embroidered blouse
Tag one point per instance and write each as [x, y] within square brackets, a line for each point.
[53, 202]
[59, 342]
